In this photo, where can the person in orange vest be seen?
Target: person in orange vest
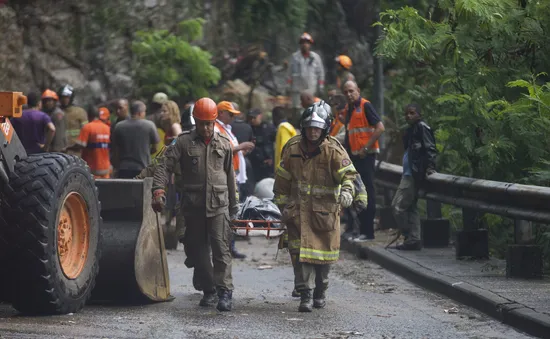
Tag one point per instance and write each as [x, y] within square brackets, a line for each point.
[363, 129]
[226, 115]
[343, 71]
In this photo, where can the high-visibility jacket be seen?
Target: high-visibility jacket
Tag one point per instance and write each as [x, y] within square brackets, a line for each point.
[234, 142]
[335, 127]
[359, 129]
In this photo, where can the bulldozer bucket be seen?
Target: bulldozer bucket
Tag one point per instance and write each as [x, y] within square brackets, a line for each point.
[133, 267]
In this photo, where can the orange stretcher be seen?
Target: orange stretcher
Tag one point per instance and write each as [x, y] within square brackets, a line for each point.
[246, 228]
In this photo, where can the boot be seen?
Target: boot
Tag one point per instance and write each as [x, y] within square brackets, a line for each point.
[208, 299]
[306, 302]
[234, 253]
[295, 294]
[410, 246]
[225, 302]
[319, 298]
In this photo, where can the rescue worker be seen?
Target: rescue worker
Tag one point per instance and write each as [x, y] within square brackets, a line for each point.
[313, 181]
[59, 120]
[306, 72]
[343, 71]
[363, 128]
[307, 99]
[418, 162]
[209, 200]
[105, 116]
[285, 131]
[94, 141]
[76, 117]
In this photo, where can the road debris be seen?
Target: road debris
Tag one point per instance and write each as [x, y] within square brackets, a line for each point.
[452, 310]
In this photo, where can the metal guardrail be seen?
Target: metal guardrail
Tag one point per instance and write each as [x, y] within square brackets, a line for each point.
[520, 202]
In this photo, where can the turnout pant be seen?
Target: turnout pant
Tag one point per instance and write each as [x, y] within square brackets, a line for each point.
[203, 234]
[404, 206]
[365, 167]
[310, 276]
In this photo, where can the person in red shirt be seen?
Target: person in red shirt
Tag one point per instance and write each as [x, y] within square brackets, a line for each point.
[95, 142]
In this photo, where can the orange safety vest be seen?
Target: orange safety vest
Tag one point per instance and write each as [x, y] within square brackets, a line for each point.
[335, 127]
[233, 144]
[359, 129]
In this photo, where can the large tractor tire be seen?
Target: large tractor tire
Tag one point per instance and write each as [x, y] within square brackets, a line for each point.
[52, 220]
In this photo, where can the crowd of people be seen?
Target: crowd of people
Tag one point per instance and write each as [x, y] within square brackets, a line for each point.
[213, 154]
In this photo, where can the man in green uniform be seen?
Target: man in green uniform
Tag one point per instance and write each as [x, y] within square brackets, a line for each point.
[209, 200]
[76, 117]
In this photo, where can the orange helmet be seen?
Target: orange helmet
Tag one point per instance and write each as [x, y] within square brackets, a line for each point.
[306, 37]
[344, 61]
[104, 113]
[49, 94]
[205, 109]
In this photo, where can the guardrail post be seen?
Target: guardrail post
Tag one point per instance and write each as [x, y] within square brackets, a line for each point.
[386, 220]
[473, 240]
[524, 259]
[435, 230]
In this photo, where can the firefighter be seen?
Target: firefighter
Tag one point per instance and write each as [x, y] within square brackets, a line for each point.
[306, 72]
[343, 71]
[313, 181]
[76, 117]
[209, 199]
[49, 106]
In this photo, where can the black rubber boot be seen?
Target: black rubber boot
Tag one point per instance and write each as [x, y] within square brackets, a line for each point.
[306, 302]
[295, 294]
[319, 299]
[225, 302]
[208, 299]
[410, 246]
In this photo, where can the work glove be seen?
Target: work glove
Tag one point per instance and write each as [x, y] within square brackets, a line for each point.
[346, 199]
[159, 200]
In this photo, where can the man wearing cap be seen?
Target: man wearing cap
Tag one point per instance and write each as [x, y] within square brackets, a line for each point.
[306, 72]
[226, 115]
[49, 106]
[76, 116]
[159, 99]
[209, 200]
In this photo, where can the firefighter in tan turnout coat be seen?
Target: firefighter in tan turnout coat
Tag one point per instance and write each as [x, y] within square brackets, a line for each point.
[313, 181]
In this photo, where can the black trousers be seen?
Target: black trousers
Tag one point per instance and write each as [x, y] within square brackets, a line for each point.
[365, 167]
[127, 173]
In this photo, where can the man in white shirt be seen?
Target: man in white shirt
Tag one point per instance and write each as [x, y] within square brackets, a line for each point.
[226, 115]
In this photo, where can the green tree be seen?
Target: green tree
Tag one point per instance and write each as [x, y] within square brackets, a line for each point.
[169, 62]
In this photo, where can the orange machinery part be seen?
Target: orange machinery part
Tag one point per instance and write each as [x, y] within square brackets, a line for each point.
[11, 104]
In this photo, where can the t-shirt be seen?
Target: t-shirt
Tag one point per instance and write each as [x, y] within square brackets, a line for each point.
[96, 137]
[133, 139]
[31, 129]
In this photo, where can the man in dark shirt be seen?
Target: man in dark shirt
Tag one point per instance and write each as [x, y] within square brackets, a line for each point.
[243, 133]
[262, 155]
[366, 134]
[34, 128]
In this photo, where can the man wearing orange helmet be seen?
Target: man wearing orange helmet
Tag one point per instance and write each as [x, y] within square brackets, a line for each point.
[343, 71]
[306, 72]
[49, 106]
[209, 200]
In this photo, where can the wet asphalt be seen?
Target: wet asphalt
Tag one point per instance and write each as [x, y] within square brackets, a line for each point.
[364, 301]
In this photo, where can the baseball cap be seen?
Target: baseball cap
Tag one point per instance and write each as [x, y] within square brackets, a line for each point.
[254, 112]
[104, 113]
[227, 106]
[160, 98]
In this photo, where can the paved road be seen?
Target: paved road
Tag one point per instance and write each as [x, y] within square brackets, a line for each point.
[365, 301]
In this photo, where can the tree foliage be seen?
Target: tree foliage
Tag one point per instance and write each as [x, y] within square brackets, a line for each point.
[463, 66]
[169, 62]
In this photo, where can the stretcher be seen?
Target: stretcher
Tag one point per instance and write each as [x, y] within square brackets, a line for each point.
[249, 228]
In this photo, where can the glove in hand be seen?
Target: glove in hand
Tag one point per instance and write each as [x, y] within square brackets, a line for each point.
[346, 199]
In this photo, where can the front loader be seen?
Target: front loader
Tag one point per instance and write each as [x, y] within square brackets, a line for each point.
[51, 235]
